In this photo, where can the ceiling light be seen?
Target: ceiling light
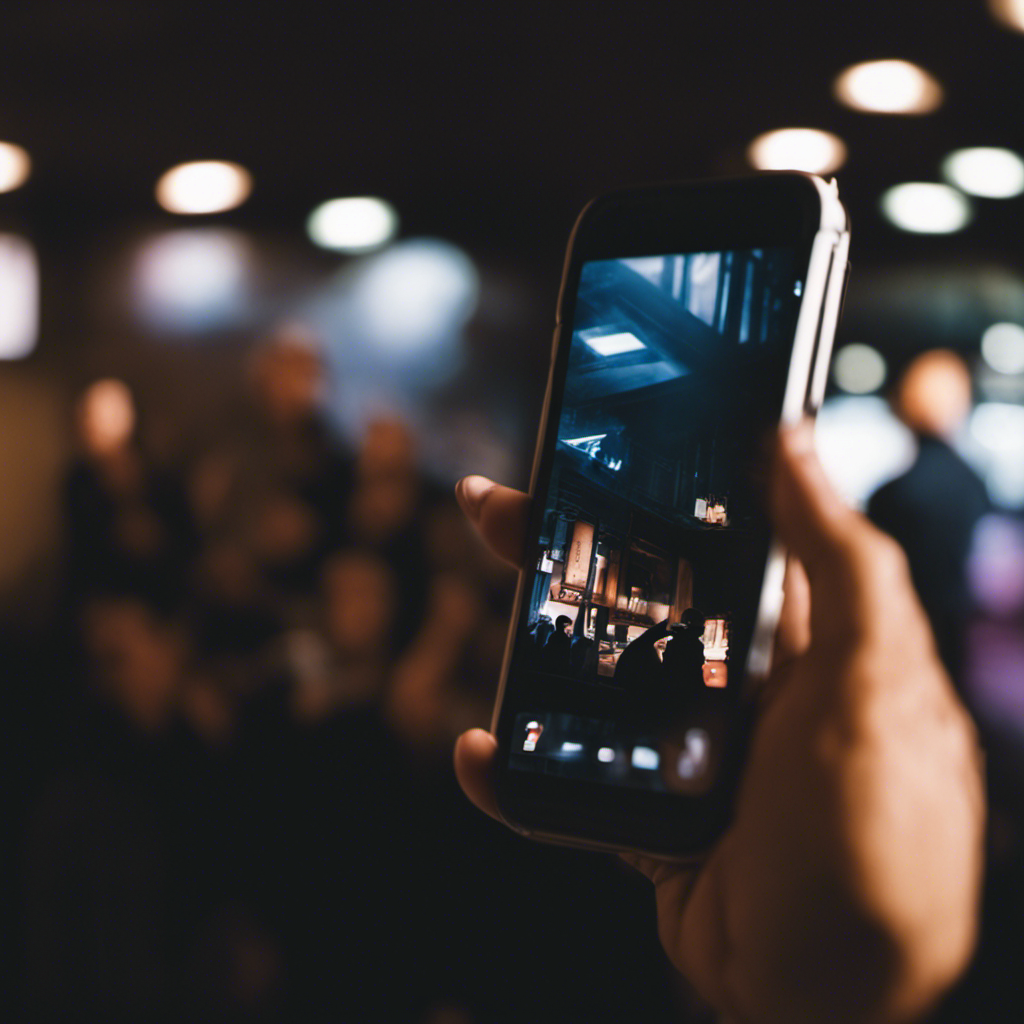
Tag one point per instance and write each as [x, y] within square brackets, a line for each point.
[15, 166]
[615, 344]
[206, 186]
[926, 208]
[19, 297]
[985, 171]
[797, 149]
[858, 369]
[1009, 12]
[356, 224]
[888, 87]
[1002, 347]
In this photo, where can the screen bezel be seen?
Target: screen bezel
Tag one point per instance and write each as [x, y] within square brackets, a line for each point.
[767, 211]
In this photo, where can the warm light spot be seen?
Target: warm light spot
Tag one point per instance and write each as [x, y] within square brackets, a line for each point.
[888, 87]
[1009, 12]
[356, 224]
[206, 186]
[858, 369]
[985, 171]
[1002, 347]
[926, 208]
[797, 149]
[15, 166]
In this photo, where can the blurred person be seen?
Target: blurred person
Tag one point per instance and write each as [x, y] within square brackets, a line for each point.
[126, 522]
[933, 508]
[683, 661]
[847, 886]
[277, 483]
[425, 706]
[388, 489]
[130, 843]
[360, 605]
[554, 656]
[390, 510]
[138, 658]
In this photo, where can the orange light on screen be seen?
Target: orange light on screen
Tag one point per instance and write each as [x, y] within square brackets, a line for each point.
[716, 674]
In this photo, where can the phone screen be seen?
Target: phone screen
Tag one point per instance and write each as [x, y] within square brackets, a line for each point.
[644, 578]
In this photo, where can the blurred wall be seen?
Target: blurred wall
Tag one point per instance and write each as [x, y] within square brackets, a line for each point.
[33, 450]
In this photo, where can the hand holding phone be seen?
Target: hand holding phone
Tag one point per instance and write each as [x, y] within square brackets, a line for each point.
[846, 887]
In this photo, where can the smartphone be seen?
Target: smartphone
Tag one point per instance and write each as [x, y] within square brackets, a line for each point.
[692, 320]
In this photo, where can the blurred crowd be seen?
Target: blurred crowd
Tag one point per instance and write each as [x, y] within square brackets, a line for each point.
[242, 805]
[237, 735]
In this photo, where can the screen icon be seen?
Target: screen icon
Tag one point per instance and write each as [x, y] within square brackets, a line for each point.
[693, 758]
[533, 731]
[645, 758]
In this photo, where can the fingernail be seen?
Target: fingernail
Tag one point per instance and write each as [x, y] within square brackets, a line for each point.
[470, 492]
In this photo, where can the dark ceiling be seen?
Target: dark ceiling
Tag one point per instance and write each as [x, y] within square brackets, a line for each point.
[491, 122]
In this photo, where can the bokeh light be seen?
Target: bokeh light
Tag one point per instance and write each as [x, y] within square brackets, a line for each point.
[19, 297]
[15, 166]
[193, 280]
[999, 426]
[996, 435]
[411, 296]
[888, 87]
[205, 186]
[1008, 12]
[985, 171]
[926, 208]
[797, 149]
[861, 445]
[1002, 347]
[858, 369]
[357, 224]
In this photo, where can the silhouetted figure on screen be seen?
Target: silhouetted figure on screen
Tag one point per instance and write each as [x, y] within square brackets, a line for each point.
[638, 669]
[555, 653]
[933, 508]
[683, 664]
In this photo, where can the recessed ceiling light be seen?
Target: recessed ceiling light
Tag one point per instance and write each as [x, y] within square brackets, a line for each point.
[15, 166]
[888, 87]
[797, 149]
[205, 186]
[985, 171]
[615, 344]
[355, 224]
[926, 208]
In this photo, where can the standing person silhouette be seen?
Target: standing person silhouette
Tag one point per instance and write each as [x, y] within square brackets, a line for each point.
[934, 507]
[683, 665]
